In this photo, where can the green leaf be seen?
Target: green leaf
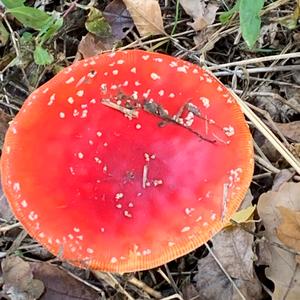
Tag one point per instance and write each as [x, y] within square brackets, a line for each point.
[4, 35]
[97, 24]
[42, 56]
[227, 15]
[13, 3]
[50, 29]
[250, 20]
[30, 17]
[290, 21]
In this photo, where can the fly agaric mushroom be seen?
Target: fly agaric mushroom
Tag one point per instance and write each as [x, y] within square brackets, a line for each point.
[127, 160]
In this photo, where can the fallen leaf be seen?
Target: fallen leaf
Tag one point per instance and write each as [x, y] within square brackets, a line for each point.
[282, 177]
[233, 248]
[4, 35]
[118, 18]
[283, 270]
[146, 16]
[90, 45]
[97, 24]
[18, 280]
[204, 40]
[59, 285]
[213, 284]
[5, 211]
[243, 215]
[288, 231]
[291, 21]
[290, 130]
[203, 13]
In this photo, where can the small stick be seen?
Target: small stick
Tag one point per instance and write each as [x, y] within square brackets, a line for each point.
[128, 112]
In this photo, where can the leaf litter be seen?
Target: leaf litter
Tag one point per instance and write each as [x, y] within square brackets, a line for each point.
[259, 250]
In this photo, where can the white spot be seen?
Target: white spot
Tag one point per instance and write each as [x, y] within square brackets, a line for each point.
[135, 95]
[76, 229]
[127, 214]
[145, 57]
[7, 149]
[72, 171]
[79, 237]
[205, 224]
[172, 95]
[113, 260]
[158, 59]
[157, 182]
[70, 80]
[52, 98]
[97, 160]
[102, 229]
[62, 115]
[188, 210]
[32, 216]
[119, 205]
[171, 244]
[84, 113]
[154, 76]
[119, 196]
[182, 69]
[213, 216]
[229, 131]
[42, 235]
[161, 92]
[45, 90]
[76, 113]
[93, 101]
[173, 64]
[80, 93]
[146, 95]
[209, 80]
[92, 74]
[99, 133]
[103, 87]
[195, 71]
[105, 73]
[133, 70]
[70, 100]
[185, 229]
[24, 203]
[125, 83]
[80, 155]
[205, 102]
[71, 237]
[120, 62]
[90, 250]
[137, 83]
[130, 204]
[114, 87]
[17, 187]
[147, 252]
[115, 72]
[50, 241]
[138, 126]
[219, 89]
[14, 130]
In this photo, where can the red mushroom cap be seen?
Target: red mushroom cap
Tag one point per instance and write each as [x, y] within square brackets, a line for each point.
[125, 161]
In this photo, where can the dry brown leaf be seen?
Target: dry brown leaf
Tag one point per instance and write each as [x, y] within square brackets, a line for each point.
[290, 130]
[59, 285]
[18, 280]
[289, 230]
[212, 283]
[203, 13]
[146, 16]
[90, 45]
[118, 18]
[283, 270]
